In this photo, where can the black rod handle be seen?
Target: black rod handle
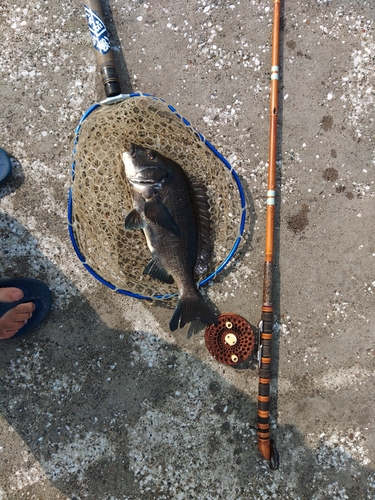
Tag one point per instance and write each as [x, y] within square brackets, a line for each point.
[102, 46]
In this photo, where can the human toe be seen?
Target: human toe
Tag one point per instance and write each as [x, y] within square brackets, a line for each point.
[10, 294]
[26, 308]
[14, 319]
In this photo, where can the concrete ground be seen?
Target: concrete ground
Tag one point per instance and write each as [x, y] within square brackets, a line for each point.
[102, 401]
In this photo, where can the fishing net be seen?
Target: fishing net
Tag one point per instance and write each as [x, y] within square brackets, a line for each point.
[100, 195]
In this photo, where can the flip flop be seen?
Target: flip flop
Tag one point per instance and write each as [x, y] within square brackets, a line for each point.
[5, 165]
[34, 291]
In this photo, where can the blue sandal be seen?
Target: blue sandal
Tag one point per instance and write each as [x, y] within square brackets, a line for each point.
[5, 165]
[34, 291]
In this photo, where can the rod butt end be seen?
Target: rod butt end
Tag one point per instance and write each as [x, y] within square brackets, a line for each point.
[269, 452]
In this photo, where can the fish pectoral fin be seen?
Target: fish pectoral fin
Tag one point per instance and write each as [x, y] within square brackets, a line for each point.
[157, 212]
[158, 272]
[134, 220]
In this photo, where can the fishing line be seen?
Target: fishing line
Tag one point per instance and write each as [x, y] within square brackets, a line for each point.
[99, 197]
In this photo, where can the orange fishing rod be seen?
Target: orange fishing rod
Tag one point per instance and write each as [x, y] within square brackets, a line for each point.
[232, 340]
[265, 444]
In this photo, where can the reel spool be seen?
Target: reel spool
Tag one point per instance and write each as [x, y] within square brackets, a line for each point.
[231, 341]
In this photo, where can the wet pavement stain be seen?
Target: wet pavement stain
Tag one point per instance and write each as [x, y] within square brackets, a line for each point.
[330, 174]
[298, 223]
[333, 153]
[327, 122]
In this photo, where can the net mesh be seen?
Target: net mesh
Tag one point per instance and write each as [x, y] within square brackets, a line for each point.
[101, 198]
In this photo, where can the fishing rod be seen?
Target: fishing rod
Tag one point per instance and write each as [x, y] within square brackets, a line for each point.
[265, 444]
[232, 340]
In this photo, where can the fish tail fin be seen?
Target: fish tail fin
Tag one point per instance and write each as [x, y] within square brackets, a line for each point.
[190, 308]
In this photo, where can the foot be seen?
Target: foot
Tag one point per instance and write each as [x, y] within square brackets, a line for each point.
[17, 317]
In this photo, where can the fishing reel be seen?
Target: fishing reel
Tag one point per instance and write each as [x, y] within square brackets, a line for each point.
[231, 341]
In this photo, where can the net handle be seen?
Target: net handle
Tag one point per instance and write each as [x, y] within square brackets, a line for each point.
[102, 46]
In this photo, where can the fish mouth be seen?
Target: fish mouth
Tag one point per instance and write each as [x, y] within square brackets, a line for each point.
[142, 182]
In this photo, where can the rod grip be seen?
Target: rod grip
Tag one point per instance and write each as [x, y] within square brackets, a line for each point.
[102, 46]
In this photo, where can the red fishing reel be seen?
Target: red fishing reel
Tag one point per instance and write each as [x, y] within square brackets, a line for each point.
[231, 341]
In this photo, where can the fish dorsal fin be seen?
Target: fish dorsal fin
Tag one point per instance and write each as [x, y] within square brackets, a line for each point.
[158, 272]
[204, 218]
[157, 212]
[134, 220]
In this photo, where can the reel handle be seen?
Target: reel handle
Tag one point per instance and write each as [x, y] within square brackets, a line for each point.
[102, 46]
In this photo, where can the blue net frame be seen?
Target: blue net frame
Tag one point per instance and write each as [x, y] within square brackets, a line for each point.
[241, 194]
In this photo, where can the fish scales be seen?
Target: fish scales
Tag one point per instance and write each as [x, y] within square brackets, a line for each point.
[175, 221]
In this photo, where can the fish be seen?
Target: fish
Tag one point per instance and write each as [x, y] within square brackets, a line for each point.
[173, 212]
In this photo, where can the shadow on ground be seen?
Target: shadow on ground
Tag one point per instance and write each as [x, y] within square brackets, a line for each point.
[91, 411]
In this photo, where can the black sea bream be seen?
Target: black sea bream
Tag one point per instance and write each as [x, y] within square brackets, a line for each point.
[174, 216]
